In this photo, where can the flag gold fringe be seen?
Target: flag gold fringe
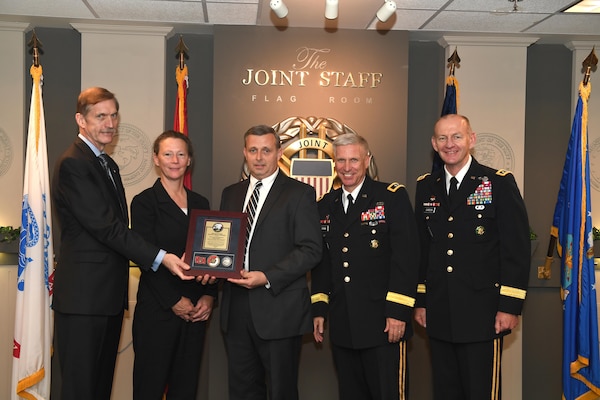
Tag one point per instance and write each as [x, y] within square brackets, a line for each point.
[180, 75]
[451, 80]
[36, 74]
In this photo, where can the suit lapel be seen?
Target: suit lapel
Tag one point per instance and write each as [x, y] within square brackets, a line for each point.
[168, 206]
[120, 188]
[439, 188]
[117, 195]
[272, 197]
[337, 208]
[91, 157]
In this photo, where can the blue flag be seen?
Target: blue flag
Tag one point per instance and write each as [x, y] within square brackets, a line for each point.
[572, 226]
[450, 99]
[450, 106]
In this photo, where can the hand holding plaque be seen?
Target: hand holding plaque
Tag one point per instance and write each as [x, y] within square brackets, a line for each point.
[215, 243]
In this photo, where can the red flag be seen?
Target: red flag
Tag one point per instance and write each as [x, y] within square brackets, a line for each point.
[180, 123]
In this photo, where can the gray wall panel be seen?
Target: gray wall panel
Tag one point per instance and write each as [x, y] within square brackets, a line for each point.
[547, 130]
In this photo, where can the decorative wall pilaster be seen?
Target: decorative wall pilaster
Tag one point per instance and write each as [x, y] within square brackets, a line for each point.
[13, 73]
[130, 62]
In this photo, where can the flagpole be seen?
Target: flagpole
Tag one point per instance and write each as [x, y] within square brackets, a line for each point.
[545, 271]
[180, 123]
[33, 314]
[450, 105]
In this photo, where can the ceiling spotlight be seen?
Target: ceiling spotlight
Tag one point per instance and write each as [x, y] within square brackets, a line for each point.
[331, 9]
[386, 11]
[279, 8]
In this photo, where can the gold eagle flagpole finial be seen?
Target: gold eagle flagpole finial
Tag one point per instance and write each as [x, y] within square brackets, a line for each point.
[453, 62]
[182, 51]
[36, 48]
[589, 65]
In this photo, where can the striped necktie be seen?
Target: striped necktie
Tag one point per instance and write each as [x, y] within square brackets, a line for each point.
[251, 211]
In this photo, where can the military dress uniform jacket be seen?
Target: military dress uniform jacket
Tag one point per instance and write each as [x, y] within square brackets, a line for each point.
[369, 268]
[475, 253]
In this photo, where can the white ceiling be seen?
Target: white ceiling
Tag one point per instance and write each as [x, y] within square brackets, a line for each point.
[423, 18]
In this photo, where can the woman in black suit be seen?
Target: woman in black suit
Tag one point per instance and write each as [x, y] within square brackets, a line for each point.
[170, 316]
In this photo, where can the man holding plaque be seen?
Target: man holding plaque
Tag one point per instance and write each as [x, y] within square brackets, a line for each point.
[265, 311]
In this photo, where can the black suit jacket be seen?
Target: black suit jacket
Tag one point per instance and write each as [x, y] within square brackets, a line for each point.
[476, 253]
[156, 217]
[92, 272]
[286, 244]
[370, 264]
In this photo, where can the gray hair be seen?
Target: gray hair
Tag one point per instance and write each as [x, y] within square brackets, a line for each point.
[348, 139]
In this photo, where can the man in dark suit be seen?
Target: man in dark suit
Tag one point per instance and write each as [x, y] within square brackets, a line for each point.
[474, 268]
[366, 281]
[91, 277]
[266, 311]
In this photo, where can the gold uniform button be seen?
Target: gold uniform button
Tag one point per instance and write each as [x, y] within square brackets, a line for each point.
[346, 279]
[450, 235]
[346, 234]
[344, 249]
[374, 231]
[449, 268]
[496, 284]
[450, 252]
[479, 216]
[345, 264]
[451, 218]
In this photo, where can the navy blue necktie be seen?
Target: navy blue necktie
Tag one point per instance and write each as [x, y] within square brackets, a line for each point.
[104, 160]
[110, 168]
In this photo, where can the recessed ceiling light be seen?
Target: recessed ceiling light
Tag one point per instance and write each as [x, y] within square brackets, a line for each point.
[585, 6]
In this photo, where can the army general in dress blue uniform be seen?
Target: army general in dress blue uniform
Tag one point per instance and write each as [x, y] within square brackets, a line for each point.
[474, 266]
[366, 281]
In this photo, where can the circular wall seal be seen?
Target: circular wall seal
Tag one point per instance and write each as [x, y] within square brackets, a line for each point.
[6, 152]
[494, 151]
[132, 153]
